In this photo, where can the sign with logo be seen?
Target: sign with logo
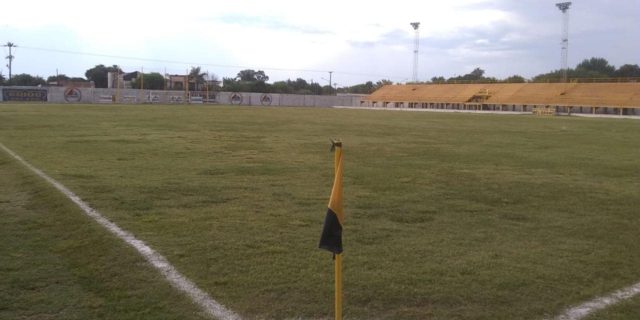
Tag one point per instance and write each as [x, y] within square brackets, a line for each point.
[10, 94]
[211, 98]
[153, 98]
[236, 98]
[175, 99]
[106, 98]
[265, 99]
[72, 95]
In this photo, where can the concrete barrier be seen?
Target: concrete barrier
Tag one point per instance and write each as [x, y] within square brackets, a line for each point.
[134, 96]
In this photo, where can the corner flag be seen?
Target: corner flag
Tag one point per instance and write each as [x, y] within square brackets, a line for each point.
[331, 238]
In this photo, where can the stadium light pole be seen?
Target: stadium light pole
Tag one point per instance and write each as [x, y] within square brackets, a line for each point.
[564, 51]
[416, 46]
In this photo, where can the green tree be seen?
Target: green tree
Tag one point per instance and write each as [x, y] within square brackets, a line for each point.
[439, 79]
[248, 81]
[515, 79]
[233, 85]
[151, 81]
[329, 90]
[27, 80]
[261, 76]
[98, 74]
[212, 82]
[252, 75]
[60, 77]
[588, 68]
[553, 76]
[315, 88]
[384, 82]
[628, 71]
[476, 75]
[595, 67]
[364, 88]
[300, 85]
[2, 79]
[259, 86]
[281, 87]
[197, 76]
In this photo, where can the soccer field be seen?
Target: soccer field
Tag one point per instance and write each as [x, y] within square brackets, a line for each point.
[448, 216]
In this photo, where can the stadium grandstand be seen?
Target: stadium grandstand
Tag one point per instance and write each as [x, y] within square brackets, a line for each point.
[542, 98]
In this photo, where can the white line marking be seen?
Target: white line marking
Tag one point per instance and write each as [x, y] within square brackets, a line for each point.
[175, 278]
[589, 307]
[433, 110]
[217, 310]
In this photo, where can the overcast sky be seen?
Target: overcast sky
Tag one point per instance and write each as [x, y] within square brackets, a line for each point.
[358, 40]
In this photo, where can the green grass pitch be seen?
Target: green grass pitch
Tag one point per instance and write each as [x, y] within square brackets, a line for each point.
[448, 216]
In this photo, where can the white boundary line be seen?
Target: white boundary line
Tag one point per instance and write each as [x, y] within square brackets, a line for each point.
[219, 311]
[434, 110]
[586, 115]
[599, 303]
[173, 276]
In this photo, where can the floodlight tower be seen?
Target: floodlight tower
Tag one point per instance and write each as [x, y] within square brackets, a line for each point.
[416, 46]
[564, 7]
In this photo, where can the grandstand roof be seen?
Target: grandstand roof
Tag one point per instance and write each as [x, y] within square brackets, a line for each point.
[569, 94]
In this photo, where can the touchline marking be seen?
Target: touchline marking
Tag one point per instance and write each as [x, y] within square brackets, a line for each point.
[587, 308]
[175, 278]
[214, 308]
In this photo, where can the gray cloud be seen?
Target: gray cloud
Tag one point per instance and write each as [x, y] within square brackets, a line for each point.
[271, 23]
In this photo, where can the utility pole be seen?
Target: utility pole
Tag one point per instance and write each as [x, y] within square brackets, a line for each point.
[10, 56]
[330, 73]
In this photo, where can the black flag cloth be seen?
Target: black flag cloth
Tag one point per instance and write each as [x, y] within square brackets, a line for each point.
[331, 238]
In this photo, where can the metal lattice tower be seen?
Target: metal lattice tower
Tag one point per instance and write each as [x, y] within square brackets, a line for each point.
[564, 54]
[416, 47]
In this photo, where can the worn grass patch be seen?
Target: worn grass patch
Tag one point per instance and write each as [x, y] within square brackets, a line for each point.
[449, 216]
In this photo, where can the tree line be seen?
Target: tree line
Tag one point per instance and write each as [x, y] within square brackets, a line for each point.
[250, 80]
[256, 81]
[593, 68]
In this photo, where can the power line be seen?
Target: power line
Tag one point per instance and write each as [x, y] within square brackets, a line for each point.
[204, 64]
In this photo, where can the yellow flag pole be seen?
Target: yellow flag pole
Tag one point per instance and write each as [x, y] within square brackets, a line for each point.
[338, 289]
[331, 238]
[142, 99]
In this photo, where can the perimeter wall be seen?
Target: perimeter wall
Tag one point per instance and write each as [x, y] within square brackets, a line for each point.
[134, 96]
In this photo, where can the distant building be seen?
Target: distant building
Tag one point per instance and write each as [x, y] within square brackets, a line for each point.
[173, 81]
[115, 80]
[72, 83]
[213, 83]
[121, 80]
[177, 81]
[129, 77]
